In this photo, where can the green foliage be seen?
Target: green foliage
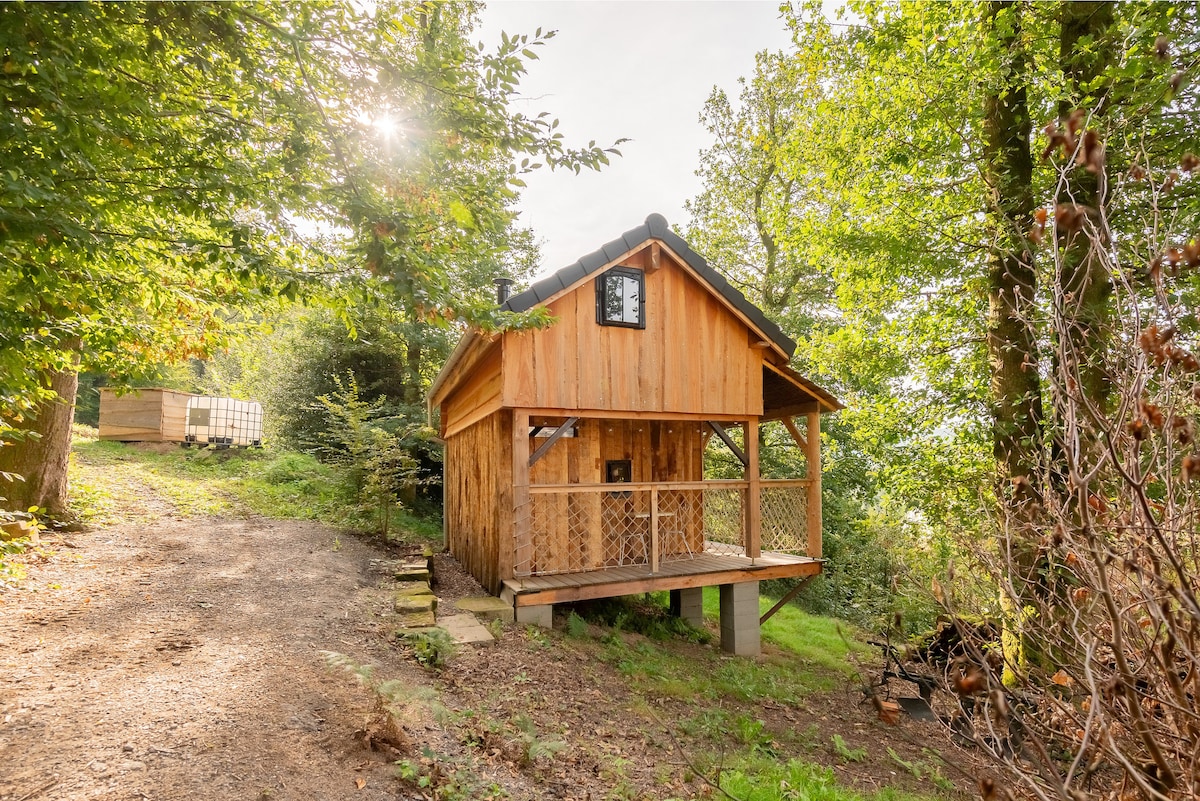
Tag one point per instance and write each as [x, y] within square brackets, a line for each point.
[576, 625]
[647, 616]
[845, 752]
[433, 649]
[533, 747]
[174, 171]
[277, 484]
[371, 446]
[12, 572]
[795, 780]
[921, 769]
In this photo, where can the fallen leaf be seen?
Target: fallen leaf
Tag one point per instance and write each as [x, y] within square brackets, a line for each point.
[1061, 679]
[360, 783]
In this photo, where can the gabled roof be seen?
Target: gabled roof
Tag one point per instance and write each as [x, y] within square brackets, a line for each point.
[784, 390]
[655, 227]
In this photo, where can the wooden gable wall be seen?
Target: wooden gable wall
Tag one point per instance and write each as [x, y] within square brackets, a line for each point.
[695, 356]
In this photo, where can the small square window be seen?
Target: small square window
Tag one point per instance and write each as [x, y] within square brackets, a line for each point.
[621, 298]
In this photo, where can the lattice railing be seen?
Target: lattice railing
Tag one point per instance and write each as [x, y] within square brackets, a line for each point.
[724, 520]
[580, 527]
[784, 526]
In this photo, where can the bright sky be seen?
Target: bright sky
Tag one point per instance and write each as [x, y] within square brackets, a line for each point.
[628, 68]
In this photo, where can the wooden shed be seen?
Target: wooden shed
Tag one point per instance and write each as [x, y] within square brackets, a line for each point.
[144, 415]
[652, 354]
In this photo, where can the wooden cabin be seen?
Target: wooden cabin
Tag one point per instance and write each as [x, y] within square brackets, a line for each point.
[144, 415]
[574, 453]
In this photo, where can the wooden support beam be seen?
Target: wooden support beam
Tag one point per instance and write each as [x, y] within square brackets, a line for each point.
[790, 425]
[522, 542]
[753, 510]
[653, 257]
[792, 593]
[720, 431]
[567, 593]
[813, 456]
[550, 440]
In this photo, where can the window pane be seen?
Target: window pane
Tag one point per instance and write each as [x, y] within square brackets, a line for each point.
[614, 303]
[620, 298]
[631, 299]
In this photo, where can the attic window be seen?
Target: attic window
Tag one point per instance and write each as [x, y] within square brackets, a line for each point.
[621, 298]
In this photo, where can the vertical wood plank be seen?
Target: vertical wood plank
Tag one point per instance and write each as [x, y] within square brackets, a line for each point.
[753, 511]
[522, 549]
[814, 485]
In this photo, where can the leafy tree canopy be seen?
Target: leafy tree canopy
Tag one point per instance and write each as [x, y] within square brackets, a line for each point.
[168, 167]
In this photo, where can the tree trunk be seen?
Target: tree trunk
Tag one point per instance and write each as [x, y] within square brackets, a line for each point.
[1016, 392]
[1085, 283]
[413, 392]
[1016, 403]
[42, 460]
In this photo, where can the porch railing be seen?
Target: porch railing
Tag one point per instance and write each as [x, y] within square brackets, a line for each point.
[569, 528]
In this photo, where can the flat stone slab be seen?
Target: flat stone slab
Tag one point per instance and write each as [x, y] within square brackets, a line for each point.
[411, 588]
[413, 572]
[465, 629]
[415, 620]
[486, 606]
[415, 603]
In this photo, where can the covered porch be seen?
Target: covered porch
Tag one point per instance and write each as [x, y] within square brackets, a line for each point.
[653, 521]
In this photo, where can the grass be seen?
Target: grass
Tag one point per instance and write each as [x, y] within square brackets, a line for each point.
[820, 642]
[765, 779]
[722, 729]
[657, 666]
[277, 484]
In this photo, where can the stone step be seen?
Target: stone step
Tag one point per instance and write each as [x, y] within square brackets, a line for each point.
[412, 571]
[426, 602]
[487, 607]
[415, 620]
[411, 588]
[465, 629]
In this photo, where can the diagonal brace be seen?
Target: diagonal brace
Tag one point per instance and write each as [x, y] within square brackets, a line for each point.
[724, 435]
[792, 593]
[550, 440]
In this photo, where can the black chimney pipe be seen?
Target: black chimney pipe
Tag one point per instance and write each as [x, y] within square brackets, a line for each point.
[503, 288]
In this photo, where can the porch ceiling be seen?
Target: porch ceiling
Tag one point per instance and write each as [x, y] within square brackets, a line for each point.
[786, 393]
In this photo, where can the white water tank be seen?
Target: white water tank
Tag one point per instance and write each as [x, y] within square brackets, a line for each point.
[224, 422]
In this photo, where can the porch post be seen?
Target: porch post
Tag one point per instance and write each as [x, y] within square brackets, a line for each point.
[522, 545]
[813, 457]
[753, 511]
[653, 530]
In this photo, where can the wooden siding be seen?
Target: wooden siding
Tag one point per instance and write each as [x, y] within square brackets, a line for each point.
[591, 530]
[148, 415]
[479, 498]
[477, 397]
[693, 357]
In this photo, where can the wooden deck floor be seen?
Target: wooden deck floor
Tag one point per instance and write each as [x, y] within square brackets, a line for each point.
[702, 570]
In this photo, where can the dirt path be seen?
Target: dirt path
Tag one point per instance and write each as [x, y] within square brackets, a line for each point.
[180, 658]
